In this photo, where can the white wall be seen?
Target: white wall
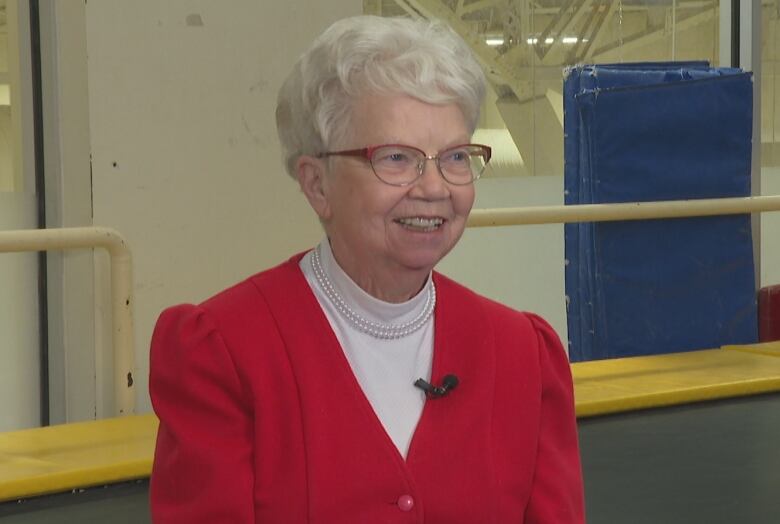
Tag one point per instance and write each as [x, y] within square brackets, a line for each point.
[521, 266]
[185, 160]
[770, 230]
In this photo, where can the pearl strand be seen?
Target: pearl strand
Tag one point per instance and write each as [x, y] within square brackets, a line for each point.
[364, 325]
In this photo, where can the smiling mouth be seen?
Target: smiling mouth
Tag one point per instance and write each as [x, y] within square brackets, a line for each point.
[421, 223]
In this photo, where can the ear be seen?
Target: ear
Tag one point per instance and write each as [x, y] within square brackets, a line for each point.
[312, 180]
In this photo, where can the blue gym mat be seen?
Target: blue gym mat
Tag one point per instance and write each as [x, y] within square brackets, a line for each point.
[646, 132]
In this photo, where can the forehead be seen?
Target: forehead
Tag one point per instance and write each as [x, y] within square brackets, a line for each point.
[383, 119]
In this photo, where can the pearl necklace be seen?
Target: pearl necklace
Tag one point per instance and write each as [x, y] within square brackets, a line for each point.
[369, 327]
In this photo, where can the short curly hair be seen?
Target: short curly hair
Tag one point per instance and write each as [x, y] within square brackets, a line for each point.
[368, 55]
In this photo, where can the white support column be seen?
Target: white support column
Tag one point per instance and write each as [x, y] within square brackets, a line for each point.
[74, 373]
[724, 46]
[750, 60]
[749, 54]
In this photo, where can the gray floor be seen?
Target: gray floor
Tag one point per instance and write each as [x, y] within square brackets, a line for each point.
[705, 463]
[708, 463]
[125, 503]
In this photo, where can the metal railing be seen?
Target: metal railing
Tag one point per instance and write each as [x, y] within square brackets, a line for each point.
[121, 291]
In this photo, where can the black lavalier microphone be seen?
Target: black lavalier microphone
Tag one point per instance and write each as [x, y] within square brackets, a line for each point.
[449, 382]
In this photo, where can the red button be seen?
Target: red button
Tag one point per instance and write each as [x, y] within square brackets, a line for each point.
[405, 503]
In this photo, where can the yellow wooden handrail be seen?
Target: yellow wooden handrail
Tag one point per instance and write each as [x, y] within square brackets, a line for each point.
[121, 291]
[513, 216]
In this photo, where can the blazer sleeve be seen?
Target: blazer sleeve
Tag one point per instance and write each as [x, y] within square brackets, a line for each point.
[202, 468]
[557, 495]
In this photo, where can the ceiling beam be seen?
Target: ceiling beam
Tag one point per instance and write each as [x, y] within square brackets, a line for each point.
[573, 19]
[592, 24]
[598, 34]
[436, 9]
[614, 50]
[477, 5]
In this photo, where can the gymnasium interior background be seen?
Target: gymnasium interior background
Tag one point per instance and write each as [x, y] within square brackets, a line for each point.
[158, 120]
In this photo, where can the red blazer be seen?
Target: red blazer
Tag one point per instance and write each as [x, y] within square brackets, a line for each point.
[262, 419]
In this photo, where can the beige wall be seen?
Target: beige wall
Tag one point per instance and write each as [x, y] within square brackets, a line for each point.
[6, 150]
[185, 159]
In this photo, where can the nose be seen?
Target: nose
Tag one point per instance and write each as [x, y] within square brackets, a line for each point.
[431, 184]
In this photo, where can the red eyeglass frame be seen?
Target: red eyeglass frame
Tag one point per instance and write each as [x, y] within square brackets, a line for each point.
[368, 152]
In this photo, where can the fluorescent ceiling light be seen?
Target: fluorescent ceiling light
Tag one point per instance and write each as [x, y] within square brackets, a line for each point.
[549, 40]
[532, 41]
[494, 41]
[569, 40]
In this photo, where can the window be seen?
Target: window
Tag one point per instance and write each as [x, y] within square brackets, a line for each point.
[526, 45]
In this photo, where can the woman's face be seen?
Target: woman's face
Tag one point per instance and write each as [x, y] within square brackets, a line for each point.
[374, 226]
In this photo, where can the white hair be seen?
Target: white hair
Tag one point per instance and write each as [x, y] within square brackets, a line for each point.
[368, 55]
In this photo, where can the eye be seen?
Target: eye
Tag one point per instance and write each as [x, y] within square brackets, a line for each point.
[393, 156]
[397, 157]
[456, 156]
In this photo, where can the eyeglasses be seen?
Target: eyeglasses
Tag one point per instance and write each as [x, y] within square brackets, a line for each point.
[401, 165]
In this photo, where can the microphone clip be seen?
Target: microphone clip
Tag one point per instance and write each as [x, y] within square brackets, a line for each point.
[448, 383]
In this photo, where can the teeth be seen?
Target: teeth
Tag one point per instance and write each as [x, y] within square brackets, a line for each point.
[427, 224]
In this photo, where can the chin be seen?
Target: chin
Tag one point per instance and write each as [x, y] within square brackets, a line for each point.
[421, 259]
[421, 251]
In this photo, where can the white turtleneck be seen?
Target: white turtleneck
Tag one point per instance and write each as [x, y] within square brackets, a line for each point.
[385, 369]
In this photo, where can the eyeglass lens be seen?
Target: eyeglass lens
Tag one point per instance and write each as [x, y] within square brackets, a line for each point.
[402, 165]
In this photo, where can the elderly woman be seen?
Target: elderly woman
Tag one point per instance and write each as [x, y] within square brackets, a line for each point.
[352, 383]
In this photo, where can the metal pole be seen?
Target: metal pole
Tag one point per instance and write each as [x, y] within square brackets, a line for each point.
[749, 34]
